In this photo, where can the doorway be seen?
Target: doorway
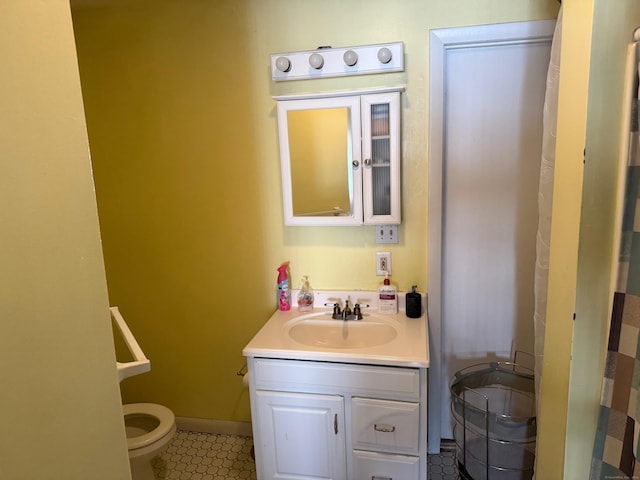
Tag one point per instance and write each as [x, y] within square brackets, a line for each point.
[487, 87]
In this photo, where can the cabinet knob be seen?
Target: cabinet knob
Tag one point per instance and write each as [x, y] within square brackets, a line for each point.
[355, 164]
[368, 162]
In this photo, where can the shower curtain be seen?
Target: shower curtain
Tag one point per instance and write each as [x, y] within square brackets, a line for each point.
[616, 443]
[545, 199]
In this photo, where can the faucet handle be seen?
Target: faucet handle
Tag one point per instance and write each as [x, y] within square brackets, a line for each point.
[336, 308]
[357, 310]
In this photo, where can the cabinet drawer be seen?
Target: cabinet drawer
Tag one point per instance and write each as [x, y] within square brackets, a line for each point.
[384, 466]
[383, 424]
[302, 376]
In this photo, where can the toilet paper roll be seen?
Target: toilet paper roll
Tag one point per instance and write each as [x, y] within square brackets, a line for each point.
[245, 379]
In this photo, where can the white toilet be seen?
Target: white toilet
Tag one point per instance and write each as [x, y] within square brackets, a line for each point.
[149, 428]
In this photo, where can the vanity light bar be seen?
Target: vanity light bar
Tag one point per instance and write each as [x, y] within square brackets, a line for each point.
[335, 62]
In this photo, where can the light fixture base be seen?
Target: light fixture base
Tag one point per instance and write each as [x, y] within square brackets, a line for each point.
[369, 59]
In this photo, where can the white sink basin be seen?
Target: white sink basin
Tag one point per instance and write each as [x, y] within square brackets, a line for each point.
[377, 339]
[320, 330]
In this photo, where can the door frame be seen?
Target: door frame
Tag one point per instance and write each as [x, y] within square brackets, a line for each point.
[441, 42]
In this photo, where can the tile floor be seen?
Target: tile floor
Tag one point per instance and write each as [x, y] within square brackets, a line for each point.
[205, 456]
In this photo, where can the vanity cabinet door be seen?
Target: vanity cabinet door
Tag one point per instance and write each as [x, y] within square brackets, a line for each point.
[301, 436]
[381, 158]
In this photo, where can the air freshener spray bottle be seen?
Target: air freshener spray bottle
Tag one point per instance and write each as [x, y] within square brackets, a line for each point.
[284, 289]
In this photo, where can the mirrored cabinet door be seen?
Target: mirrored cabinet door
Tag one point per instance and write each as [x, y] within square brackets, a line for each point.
[321, 161]
[381, 158]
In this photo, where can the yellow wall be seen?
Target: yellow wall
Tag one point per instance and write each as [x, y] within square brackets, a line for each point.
[595, 36]
[572, 112]
[184, 139]
[61, 411]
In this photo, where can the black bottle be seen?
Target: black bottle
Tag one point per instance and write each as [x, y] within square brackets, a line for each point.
[414, 304]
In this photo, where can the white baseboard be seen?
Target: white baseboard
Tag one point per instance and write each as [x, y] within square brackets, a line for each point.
[214, 426]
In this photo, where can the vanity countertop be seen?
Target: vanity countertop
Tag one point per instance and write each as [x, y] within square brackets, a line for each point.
[409, 348]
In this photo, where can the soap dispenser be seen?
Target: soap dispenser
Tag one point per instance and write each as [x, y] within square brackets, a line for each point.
[305, 296]
[413, 307]
[387, 297]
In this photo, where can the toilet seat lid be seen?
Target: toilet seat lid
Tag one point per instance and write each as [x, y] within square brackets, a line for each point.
[166, 422]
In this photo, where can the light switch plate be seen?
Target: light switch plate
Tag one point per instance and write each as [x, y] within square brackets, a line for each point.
[386, 234]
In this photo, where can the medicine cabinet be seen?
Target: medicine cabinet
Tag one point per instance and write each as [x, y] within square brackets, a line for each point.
[340, 158]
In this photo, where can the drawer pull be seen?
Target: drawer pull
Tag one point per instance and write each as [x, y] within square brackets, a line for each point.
[384, 427]
[335, 423]
[375, 477]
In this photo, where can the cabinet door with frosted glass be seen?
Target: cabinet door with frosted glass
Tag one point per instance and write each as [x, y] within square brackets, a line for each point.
[381, 158]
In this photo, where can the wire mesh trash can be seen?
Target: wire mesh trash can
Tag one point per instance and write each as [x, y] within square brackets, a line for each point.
[493, 406]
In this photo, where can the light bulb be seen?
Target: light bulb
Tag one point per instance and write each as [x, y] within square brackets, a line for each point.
[283, 64]
[384, 55]
[350, 58]
[316, 61]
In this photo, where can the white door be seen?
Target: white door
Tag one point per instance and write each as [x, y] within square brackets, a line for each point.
[301, 436]
[487, 96]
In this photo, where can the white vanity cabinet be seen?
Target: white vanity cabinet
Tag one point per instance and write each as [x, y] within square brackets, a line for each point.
[340, 158]
[338, 421]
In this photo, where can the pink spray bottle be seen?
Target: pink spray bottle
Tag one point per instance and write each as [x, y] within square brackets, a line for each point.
[284, 288]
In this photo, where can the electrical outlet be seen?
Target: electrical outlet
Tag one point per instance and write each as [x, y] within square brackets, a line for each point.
[386, 234]
[383, 263]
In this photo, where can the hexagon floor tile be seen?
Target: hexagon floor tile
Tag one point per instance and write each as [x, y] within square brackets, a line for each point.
[206, 456]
